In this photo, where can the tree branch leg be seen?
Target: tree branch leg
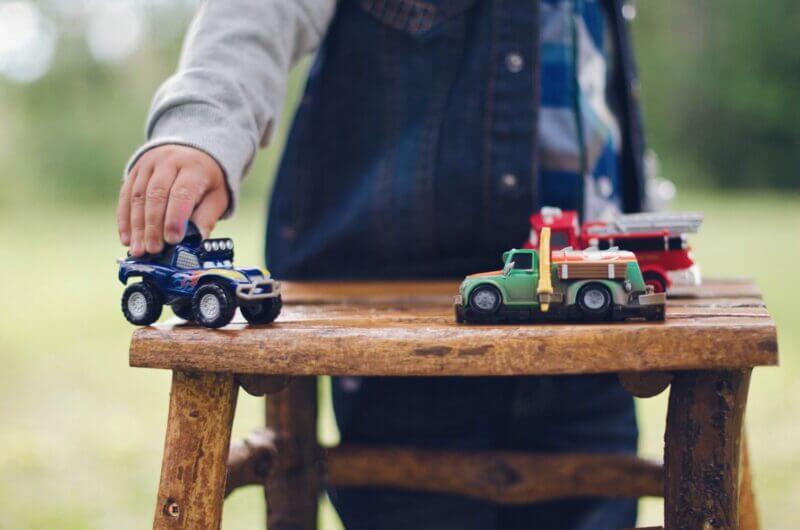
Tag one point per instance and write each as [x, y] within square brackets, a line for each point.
[190, 493]
[704, 427]
[251, 460]
[292, 488]
[748, 511]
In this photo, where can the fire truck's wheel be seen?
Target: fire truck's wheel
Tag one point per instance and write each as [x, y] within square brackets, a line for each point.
[183, 310]
[141, 304]
[485, 299]
[262, 312]
[594, 299]
[213, 306]
[656, 281]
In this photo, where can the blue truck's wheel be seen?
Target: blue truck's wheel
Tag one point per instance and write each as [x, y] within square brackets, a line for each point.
[485, 299]
[141, 304]
[262, 312]
[213, 306]
[594, 299]
[184, 310]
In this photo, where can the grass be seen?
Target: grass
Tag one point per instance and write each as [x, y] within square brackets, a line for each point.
[82, 433]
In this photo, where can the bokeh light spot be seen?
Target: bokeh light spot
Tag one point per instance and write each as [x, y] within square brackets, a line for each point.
[27, 42]
[115, 31]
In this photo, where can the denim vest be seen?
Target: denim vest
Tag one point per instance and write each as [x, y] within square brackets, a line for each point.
[411, 119]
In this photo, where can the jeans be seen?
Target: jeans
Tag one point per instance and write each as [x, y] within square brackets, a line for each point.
[538, 414]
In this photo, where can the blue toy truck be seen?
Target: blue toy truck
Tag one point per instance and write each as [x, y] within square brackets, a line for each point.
[197, 279]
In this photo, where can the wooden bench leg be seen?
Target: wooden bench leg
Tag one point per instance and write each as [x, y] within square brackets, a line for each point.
[748, 511]
[190, 494]
[702, 449]
[293, 487]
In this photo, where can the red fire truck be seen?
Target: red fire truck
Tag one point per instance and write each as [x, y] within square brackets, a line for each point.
[657, 239]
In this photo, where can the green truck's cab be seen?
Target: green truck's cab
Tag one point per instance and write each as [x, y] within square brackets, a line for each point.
[520, 276]
[580, 286]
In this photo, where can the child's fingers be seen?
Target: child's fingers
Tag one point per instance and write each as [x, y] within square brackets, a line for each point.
[210, 210]
[188, 188]
[138, 199]
[124, 209]
[158, 191]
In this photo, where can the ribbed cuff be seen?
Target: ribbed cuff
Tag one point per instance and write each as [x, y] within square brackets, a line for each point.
[203, 127]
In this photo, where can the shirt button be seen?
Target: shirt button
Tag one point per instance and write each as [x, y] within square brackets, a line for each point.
[509, 181]
[350, 384]
[514, 62]
[629, 11]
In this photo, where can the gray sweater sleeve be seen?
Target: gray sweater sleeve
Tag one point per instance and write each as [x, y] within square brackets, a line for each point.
[230, 85]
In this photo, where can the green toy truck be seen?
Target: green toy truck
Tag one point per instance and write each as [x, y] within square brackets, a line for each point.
[565, 285]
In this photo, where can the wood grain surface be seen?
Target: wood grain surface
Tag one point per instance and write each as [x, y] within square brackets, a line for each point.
[407, 328]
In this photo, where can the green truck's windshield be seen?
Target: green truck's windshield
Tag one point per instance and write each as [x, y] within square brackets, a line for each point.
[522, 261]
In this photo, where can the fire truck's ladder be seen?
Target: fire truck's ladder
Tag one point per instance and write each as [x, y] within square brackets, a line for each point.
[633, 223]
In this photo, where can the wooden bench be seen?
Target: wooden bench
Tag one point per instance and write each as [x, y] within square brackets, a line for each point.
[705, 350]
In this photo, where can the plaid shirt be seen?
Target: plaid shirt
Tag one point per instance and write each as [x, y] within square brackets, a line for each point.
[579, 134]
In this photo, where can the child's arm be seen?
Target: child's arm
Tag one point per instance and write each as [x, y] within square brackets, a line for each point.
[208, 120]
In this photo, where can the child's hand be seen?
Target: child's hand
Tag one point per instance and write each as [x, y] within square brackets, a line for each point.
[166, 187]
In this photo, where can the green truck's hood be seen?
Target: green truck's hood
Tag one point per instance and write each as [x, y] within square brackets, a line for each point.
[485, 274]
[496, 277]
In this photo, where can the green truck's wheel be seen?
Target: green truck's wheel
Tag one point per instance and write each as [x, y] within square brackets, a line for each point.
[656, 315]
[485, 299]
[594, 299]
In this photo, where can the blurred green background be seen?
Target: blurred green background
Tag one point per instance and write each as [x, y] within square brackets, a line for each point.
[81, 434]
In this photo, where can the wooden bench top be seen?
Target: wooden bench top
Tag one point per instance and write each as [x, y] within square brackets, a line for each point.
[408, 328]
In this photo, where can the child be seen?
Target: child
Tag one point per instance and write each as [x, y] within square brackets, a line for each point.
[428, 133]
